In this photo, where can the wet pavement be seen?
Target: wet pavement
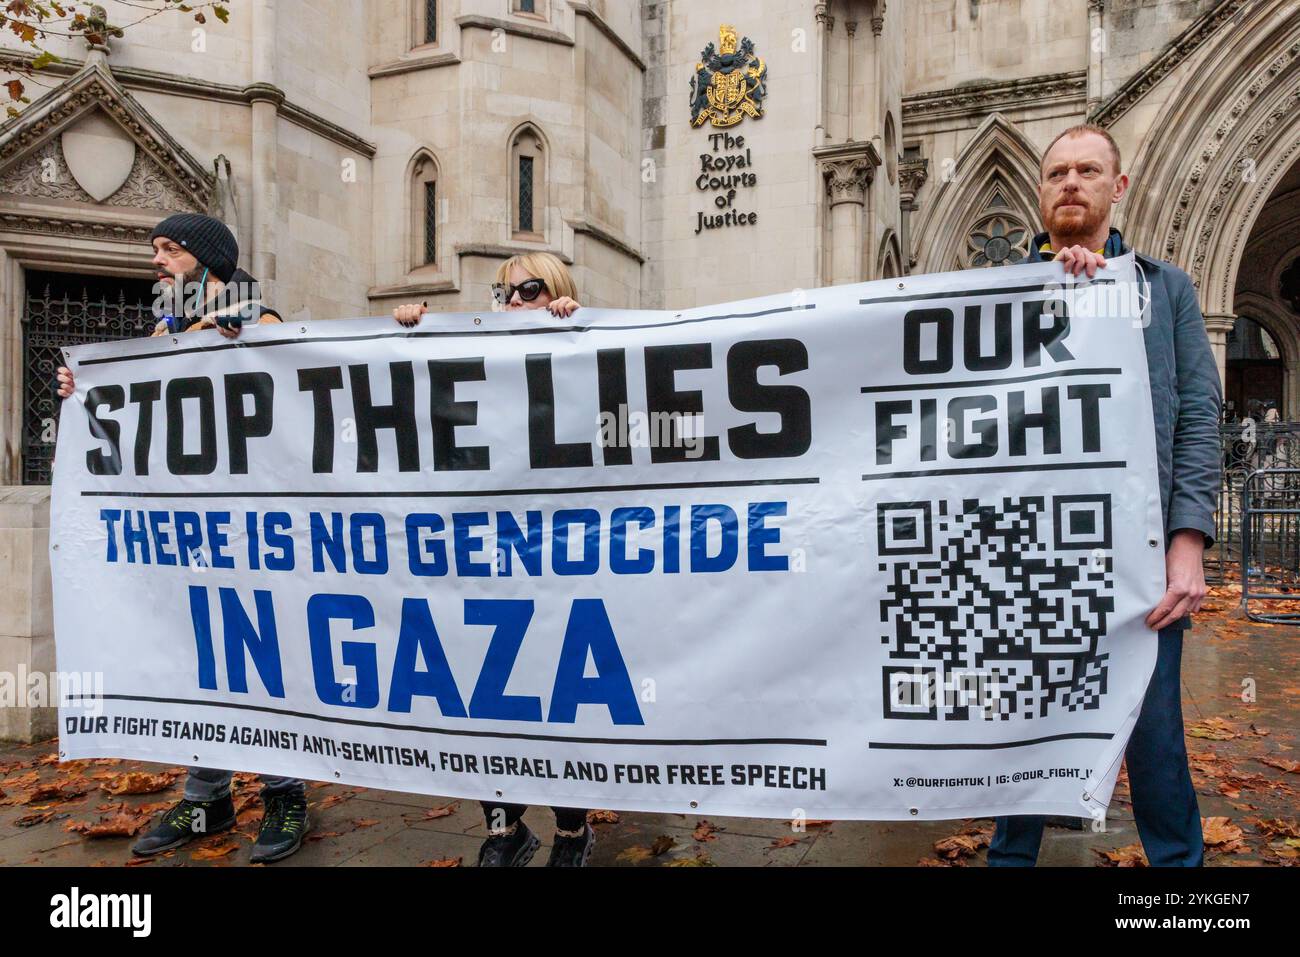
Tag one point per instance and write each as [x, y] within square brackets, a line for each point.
[1241, 704]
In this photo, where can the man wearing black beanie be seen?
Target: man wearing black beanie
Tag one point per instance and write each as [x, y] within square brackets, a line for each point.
[201, 287]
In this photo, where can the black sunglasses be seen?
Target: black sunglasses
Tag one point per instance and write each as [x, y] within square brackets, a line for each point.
[528, 290]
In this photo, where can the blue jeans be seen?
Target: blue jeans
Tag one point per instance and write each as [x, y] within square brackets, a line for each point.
[1164, 800]
[210, 784]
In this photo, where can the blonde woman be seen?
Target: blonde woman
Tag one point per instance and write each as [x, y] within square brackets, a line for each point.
[532, 281]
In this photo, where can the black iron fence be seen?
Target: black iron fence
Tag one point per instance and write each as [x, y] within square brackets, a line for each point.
[67, 311]
[1270, 549]
[1257, 527]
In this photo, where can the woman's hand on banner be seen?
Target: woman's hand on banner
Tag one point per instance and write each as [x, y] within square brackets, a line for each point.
[410, 313]
[563, 307]
[1077, 259]
[1186, 579]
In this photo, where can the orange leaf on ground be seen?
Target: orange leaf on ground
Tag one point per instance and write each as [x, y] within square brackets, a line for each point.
[1221, 835]
[39, 817]
[662, 844]
[635, 854]
[1213, 729]
[53, 792]
[214, 853]
[1282, 764]
[445, 862]
[784, 842]
[959, 847]
[138, 782]
[805, 825]
[122, 824]
[365, 821]
[447, 810]
[1276, 827]
[602, 817]
[1131, 855]
[704, 831]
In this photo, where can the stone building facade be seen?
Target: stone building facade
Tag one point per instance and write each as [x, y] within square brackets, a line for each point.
[371, 152]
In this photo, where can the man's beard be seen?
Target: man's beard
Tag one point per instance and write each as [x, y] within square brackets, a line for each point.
[184, 295]
[1079, 223]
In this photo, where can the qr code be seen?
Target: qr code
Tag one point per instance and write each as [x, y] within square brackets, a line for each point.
[995, 611]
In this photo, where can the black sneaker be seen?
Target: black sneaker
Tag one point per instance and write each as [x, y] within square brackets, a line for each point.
[572, 851]
[183, 822]
[509, 850]
[284, 826]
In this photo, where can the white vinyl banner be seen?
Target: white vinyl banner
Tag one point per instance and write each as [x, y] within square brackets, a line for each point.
[880, 551]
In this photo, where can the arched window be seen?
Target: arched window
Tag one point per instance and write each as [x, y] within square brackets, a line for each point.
[891, 149]
[528, 184]
[424, 210]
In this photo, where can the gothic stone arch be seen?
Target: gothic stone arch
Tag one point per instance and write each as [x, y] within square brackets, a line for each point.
[1208, 167]
[1000, 162]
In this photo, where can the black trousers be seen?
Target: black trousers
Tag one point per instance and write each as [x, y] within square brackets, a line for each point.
[566, 818]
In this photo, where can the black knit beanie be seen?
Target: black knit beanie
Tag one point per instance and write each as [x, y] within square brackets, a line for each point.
[208, 240]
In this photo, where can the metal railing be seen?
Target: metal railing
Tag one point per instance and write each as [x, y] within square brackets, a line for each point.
[1246, 448]
[1270, 545]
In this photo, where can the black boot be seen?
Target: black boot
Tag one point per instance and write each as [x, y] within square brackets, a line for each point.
[509, 850]
[572, 851]
[185, 821]
[284, 826]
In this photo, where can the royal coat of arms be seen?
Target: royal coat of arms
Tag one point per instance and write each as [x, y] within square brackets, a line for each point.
[729, 84]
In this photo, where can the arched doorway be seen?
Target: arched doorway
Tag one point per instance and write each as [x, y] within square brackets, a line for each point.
[1266, 301]
[1255, 372]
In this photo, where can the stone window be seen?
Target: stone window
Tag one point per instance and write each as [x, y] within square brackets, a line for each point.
[998, 236]
[424, 211]
[891, 149]
[533, 8]
[528, 185]
[424, 23]
[526, 194]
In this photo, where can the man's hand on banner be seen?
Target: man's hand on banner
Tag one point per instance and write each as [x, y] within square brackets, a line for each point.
[66, 384]
[1077, 259]
[1186, 579]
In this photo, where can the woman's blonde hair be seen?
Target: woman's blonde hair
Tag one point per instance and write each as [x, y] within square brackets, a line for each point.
[544, 266]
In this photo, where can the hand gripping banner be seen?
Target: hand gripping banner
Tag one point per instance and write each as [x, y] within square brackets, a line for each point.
[875, 551]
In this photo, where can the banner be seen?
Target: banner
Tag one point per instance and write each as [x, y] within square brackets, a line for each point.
[879, 551]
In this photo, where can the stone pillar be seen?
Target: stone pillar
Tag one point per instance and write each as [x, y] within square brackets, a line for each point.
[265, 99]
[26, 615]
[825, 26]
[1218, 327]
[912, 175]
[851, 31]
[847, 169]
[1096, 53]
[847, 189]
